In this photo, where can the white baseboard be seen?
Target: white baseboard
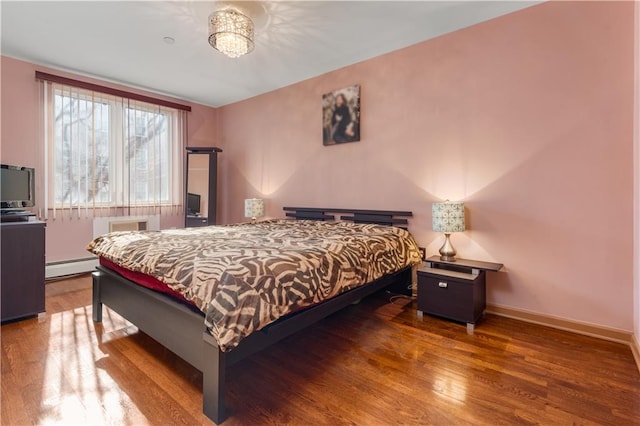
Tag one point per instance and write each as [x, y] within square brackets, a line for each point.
[614, 335]
[70, 267]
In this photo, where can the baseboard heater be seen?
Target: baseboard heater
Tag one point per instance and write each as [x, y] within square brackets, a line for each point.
[70, 267]
[101, 226]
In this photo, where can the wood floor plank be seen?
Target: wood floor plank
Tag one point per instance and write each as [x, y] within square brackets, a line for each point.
[14, 411]
[374, 363]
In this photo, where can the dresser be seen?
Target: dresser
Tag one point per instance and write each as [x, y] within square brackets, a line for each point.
[22, 269]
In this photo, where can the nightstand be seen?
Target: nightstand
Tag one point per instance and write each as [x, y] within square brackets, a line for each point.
[194, 221]
[454, 290]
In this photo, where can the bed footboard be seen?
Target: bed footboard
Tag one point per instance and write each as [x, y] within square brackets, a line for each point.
[170, 323]
[183, 332]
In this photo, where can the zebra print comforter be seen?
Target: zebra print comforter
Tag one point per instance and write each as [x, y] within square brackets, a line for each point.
[245, 276]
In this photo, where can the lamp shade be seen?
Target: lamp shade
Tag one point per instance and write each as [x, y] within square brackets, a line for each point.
[448, 217]
[253, 207]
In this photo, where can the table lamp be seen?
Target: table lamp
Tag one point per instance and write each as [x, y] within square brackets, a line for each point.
[253, 208]
[448, 217]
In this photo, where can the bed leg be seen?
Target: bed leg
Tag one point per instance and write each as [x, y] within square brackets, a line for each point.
[213, 377]
[97, 304]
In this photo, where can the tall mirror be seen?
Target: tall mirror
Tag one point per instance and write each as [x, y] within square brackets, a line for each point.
[201, 186]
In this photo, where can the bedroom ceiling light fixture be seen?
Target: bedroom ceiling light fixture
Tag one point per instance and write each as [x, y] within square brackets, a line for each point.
[448, 217]
[231, 32]
[253, 208]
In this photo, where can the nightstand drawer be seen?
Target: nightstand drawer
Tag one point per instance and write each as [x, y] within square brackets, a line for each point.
[460, 297]
[194, 221]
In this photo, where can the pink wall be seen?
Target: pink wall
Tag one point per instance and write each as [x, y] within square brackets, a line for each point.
[528, 118]
[21, 144]
[636, 158]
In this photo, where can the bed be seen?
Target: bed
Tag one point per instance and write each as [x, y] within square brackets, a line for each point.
[210, 317]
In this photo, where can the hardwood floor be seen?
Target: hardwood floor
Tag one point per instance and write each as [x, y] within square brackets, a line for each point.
[373, 363]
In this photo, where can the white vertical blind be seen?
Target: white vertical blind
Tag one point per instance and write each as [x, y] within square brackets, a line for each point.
[109, 155]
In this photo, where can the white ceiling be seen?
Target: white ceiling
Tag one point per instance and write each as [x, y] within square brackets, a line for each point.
[295, 40]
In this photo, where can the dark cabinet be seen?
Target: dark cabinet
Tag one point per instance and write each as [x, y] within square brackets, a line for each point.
[201, 182]
[194, 221]
[454, 289]
[454, 295]
[22, 269]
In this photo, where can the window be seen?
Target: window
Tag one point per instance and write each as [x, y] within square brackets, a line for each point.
[106, 151]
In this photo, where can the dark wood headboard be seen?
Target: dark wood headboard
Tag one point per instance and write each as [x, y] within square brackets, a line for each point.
[380, 217]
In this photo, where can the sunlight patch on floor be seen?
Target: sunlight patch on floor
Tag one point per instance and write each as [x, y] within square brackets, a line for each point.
[79, 387]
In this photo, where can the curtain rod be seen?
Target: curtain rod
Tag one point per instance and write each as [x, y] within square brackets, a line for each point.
[109, 90]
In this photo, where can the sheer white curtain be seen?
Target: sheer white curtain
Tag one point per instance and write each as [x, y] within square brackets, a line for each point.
[108, 155]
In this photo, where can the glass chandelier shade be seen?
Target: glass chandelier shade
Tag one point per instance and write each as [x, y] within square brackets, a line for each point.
[231, 32]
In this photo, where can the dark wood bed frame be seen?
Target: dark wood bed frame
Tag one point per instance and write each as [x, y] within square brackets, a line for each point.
[182, 329]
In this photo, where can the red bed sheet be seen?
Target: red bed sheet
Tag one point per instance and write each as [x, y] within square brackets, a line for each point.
[147, 281]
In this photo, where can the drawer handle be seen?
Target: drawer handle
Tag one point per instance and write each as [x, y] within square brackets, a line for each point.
[442, 284]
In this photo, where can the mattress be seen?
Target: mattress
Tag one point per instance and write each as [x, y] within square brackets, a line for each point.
[246, 276]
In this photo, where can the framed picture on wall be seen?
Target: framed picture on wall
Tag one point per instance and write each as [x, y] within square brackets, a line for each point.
[341, 116]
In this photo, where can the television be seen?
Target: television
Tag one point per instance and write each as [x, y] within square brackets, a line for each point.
[17, 187]
[193, 204]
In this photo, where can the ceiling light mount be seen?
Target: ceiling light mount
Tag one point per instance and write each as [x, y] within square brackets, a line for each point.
[231, 32]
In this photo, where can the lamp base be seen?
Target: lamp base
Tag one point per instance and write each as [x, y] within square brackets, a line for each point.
[448, 258]
[447, 252]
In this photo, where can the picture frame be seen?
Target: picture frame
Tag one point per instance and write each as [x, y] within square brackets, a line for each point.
[341, 116]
